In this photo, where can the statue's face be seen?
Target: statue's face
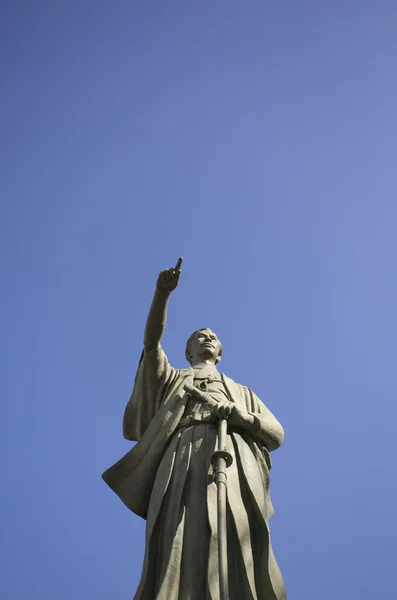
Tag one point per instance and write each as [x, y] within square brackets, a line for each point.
[205, 346]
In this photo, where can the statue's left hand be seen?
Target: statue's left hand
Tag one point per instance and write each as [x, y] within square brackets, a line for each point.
[222, 410]
[228, 410]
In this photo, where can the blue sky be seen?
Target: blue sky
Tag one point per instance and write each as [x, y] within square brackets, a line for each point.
[258, 140]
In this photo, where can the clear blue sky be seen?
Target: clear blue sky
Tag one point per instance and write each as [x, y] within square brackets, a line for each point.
[258, 140]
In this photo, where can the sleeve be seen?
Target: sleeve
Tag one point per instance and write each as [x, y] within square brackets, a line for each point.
[267, 427]
[154, 366]
[154, 372]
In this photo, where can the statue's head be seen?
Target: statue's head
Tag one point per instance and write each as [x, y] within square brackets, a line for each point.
[203, 345]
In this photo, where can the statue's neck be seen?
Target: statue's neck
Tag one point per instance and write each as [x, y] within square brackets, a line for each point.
[202, 364]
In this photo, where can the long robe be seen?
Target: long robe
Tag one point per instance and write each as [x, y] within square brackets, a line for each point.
[167, 479]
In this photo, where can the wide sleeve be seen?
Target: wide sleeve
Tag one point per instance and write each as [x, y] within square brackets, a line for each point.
[267, 427]
[153, 375]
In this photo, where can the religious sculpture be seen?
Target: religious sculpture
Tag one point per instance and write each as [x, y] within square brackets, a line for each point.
[168, 476]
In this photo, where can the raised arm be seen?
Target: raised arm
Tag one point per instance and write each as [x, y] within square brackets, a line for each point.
[157, 318]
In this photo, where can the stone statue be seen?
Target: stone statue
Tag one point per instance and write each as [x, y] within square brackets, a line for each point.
[167, 477]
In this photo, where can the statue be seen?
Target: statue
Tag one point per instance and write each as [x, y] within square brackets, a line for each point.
[168, 476]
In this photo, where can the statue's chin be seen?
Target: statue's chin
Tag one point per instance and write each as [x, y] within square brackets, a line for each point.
[207, 355]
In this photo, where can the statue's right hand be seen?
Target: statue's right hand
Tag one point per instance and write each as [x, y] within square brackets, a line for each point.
[168, 279]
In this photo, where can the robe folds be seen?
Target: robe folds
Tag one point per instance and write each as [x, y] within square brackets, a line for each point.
[166, 478]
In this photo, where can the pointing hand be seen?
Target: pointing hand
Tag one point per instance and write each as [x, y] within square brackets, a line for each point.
[168, 279]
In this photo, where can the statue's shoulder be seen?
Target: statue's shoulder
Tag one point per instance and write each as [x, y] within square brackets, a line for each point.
[229, 379]
[244, 391]
[234, 384]
[186, 372]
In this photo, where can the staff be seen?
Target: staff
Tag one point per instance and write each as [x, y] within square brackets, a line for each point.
[222, 459]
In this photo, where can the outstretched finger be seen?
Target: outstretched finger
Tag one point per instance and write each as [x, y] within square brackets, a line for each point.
[178, 265]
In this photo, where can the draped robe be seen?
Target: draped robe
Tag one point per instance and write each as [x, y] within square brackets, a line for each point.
[167, 479]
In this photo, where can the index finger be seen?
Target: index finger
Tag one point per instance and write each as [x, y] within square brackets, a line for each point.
[178, 264]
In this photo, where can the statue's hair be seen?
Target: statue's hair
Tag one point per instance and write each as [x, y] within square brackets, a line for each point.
[188, 351]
